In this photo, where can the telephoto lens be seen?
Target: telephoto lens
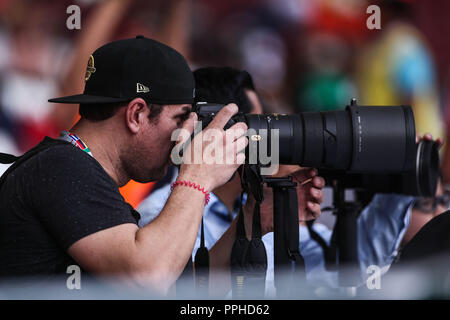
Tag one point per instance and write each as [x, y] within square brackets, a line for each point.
[359, 139]
[420, 181]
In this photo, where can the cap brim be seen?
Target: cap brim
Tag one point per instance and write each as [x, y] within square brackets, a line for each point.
[87, 98]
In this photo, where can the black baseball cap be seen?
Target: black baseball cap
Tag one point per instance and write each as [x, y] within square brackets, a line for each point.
[139, 67]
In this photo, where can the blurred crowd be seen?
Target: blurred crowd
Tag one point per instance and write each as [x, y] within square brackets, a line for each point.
[304, 55]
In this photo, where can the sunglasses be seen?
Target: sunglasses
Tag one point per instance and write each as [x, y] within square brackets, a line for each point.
[428, 205]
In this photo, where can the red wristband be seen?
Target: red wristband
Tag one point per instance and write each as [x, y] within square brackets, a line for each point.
[191, 185]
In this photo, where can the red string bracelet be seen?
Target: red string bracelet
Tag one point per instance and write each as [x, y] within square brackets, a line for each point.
[191, 185]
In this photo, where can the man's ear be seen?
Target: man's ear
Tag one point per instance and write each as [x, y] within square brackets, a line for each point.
[136, 114]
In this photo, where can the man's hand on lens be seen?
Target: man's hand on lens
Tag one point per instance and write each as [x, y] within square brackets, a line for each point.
[429, 137]
[214, 155]
[309, 195]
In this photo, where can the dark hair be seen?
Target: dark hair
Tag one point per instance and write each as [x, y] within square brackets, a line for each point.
[223, 85]
[103, 111]
[99, 112]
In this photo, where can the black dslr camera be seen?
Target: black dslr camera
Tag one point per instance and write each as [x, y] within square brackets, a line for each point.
[367, 146]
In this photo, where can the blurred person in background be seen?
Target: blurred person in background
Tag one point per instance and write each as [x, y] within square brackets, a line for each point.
[322, 65]
[325, 84]
[425, 209]
[31, 59]
[425, 250]
[397, 68]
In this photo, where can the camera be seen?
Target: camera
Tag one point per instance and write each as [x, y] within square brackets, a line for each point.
[421, 181]
[365, 147]
[368, 147]
[362, 139]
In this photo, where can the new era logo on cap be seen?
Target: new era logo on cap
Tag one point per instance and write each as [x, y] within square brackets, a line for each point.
[141, 88]
[122, 70]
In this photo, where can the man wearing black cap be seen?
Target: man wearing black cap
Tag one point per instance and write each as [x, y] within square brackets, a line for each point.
[61, 205]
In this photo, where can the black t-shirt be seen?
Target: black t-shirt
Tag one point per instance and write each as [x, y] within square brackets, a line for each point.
[432, 240]
[49, 202]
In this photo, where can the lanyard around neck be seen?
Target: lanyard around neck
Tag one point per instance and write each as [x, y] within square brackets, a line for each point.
[75, 140]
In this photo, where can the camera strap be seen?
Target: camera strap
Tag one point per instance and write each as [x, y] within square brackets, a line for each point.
[248, 263]
[289, 265]
[292, 237]
[329, 252]
[202, 266]
[6, 158]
